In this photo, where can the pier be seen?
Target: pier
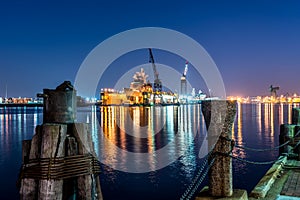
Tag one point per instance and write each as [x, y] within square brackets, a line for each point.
[281, 181]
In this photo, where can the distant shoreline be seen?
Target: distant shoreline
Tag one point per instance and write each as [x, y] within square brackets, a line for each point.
[21, 105]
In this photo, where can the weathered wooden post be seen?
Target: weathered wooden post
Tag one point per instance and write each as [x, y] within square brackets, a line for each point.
[296, 116]
[219, 116]
[59, 162]
[290, 135]
[287, 134]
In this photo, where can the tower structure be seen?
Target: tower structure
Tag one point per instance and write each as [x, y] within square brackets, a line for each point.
[183, 83]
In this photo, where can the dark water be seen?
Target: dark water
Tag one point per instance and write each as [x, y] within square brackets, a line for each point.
[157, 157]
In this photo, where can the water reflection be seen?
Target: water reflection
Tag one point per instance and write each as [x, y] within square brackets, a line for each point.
[237, 135]
[272, 124]
[267, 117]
[259, 114]
[179, 129]
[240, 124]
[130, 131]
[290, 107]
[281, 113]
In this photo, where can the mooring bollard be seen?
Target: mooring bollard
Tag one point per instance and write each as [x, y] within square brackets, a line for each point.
[59, 104]
[289, 137]
[59, 161]
[296, 116]
[219, 116]
[287, 134]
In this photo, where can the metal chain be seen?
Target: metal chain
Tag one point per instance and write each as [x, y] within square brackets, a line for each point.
[183, 197]
[270, 149]
[260, 150]
[253, 162]
[200, 180]
[194, 182]
[297, 134]
[188, 194]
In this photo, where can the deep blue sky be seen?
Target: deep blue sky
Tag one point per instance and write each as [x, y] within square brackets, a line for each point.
[253, 43]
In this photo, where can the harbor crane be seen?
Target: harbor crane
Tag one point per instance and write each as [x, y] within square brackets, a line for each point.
[273, 90]
[157, 83]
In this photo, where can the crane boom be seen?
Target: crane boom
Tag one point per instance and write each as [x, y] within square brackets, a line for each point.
[153, 64]
[157, 82]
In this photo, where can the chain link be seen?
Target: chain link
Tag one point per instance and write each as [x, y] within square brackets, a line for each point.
[269, 149]
[254, 162]
[190, 191]
[261, 150]
[200, 180]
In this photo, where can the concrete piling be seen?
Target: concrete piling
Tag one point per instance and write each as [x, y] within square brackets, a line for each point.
[219, 116]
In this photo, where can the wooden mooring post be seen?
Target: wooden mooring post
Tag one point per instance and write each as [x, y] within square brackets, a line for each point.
[219, 117]
[59, 162]
[291, 133]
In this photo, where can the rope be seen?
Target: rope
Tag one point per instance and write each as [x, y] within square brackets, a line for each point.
[60, 167]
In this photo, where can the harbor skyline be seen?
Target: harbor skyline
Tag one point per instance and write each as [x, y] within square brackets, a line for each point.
[253, 44]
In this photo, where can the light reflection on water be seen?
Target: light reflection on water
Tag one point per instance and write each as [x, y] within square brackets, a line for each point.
[16, 124]
[179, 125]
[256, 125]
[147, 139]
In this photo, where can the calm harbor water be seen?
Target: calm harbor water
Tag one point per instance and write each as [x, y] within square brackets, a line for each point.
[179, 130]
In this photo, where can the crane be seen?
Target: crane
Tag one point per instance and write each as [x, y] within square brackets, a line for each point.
[185, 69]
[157, 83]
[273, 90]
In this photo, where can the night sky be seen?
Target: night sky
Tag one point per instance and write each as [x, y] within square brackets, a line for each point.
[253, 43]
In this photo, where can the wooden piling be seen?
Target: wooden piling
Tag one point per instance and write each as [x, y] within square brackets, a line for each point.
[53, 138]
[70, 184]
[84, 182]
[29, 186]
[57, 139]
[287, 132]
[219, 116]
[290, 133]
[88, 186]
[296, 116]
